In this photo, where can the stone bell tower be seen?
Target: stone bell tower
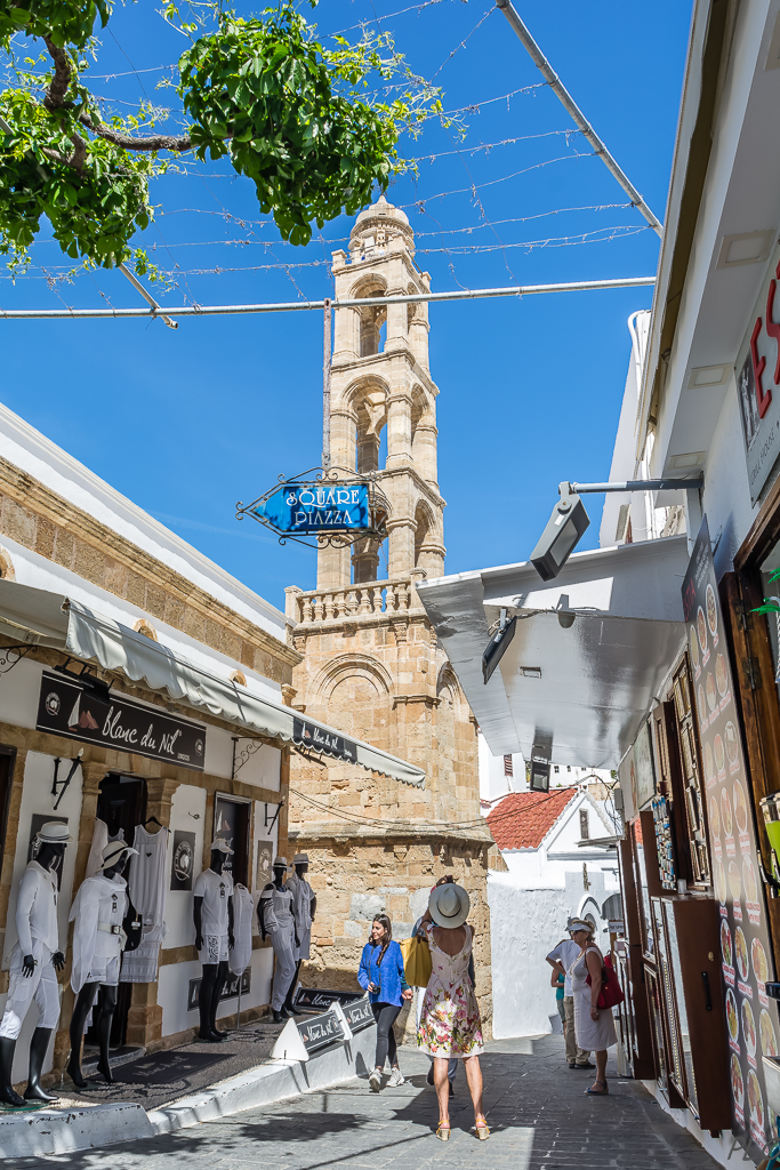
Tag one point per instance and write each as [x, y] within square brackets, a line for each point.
[371, 665]
[381, 382]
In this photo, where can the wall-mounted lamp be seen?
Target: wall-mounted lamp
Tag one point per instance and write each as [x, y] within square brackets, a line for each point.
[89, 681]
[497, 646]
[539, 774]
[569, 520]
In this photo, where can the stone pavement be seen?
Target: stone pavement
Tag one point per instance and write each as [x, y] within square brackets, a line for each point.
[536, 1106]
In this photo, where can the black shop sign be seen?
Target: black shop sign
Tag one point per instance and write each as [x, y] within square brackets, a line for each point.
[319, 999]
[319, 739]
[321, 1031]
[359, 1014]
[73, 710]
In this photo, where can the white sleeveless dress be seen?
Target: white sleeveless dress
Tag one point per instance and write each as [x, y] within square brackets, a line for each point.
[592, 1035]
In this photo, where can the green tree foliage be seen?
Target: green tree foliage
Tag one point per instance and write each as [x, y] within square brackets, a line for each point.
[301, 120]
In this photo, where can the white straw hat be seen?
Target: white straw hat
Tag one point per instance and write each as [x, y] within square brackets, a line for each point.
[113, 851]
[221, 845]
[449, 905]
[53, 833]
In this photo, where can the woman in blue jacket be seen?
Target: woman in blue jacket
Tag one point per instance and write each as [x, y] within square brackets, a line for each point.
[381, 973]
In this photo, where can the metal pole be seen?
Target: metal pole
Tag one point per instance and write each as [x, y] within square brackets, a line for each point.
[639, 485]
[327, 348]
[520, 290]
[158, 309]
[581, 122]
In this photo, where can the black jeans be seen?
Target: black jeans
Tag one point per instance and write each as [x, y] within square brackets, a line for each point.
[385, 1015]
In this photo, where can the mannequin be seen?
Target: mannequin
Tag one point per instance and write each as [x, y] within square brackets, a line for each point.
[35, 959]
[98, 912]
[304, 907]
[212, 913]
[275, 916]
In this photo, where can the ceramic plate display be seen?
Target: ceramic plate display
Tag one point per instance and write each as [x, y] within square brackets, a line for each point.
[750, 880]
[741, 951]
[735, 881]
[740, 808]
[694, 648]
[755, 1100]
[732, 744]
[758, 960]
[712, 611]
[719, 880]
[701, 629]
[737, 1084]
[725, 943]
[726, 817]
[749, 1028]
[720, 753]
[721, 675]
[714, 814]
[766, 1031]
[711, 692]
[732, 1016]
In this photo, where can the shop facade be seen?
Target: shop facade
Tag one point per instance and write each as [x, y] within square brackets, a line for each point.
[669, 673]
[143, 693]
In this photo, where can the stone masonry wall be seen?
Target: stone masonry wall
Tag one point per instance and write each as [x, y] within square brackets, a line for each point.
[356, 879]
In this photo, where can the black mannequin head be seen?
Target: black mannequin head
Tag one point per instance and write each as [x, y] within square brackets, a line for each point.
[118, 867]
[279, 875]
[302, 868]
[50, 855]
[218, 859]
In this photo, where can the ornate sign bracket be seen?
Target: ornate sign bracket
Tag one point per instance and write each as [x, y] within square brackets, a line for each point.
[321, 506]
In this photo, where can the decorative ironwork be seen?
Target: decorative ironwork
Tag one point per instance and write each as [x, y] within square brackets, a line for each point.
[60, 787]
[240, 757]
[10, 655]
[315, 478]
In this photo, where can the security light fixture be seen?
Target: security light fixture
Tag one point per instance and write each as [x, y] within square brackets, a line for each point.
[564, 528]
[497, 646]
[569, 518]
[89, 681]
[539, 775]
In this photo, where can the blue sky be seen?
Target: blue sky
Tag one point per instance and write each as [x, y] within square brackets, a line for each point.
[185, 423]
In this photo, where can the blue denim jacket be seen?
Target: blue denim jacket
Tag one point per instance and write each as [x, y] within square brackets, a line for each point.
[388, 975]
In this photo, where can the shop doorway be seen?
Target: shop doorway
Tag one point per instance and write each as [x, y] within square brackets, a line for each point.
[122, 805]
[7, 760]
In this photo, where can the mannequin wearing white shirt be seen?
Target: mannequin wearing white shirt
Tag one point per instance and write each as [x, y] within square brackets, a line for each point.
[34, 959]
[214, 974]
[87, 991]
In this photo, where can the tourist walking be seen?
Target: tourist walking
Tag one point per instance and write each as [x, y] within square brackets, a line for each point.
[593, 1026]
[452, 1066]
[450, 1025]
[560, 959]
[381, 973]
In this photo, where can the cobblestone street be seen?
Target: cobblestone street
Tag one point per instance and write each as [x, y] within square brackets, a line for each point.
[537, 1108]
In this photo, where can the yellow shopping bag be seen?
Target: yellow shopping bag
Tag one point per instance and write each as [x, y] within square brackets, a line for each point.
[417, 961]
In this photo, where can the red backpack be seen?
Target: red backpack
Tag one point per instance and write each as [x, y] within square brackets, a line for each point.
[611, 993]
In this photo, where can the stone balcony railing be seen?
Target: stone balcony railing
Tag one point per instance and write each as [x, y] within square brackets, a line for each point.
[370, 600]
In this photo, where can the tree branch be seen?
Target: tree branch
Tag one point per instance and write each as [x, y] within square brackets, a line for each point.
[55, 94]
[149, 142]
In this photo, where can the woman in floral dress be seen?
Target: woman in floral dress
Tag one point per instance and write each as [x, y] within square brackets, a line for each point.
[450, 1024]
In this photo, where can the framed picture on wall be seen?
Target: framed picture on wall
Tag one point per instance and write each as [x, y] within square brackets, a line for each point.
[265, 856]
[37, 822]
[231, 822]
[643, 764]
[183, 860]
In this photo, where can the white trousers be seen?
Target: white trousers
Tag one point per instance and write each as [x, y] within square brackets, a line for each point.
[283, 942]
[41, 986]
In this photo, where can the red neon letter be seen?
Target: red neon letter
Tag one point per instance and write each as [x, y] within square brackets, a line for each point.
[772, 326]
[759, 365]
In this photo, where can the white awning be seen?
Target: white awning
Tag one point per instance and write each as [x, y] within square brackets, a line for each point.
[37, 616]
[580, 692]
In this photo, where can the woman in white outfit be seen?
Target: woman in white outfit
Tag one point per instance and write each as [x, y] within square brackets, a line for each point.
[594, 1027]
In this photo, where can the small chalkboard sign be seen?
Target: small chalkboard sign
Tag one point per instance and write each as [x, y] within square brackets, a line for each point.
[321, 1030]
[359, 1014]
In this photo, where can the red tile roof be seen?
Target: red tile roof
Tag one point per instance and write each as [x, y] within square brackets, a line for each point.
[523, 819]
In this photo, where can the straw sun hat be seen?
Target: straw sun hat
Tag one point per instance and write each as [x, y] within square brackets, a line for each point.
[449, 905]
